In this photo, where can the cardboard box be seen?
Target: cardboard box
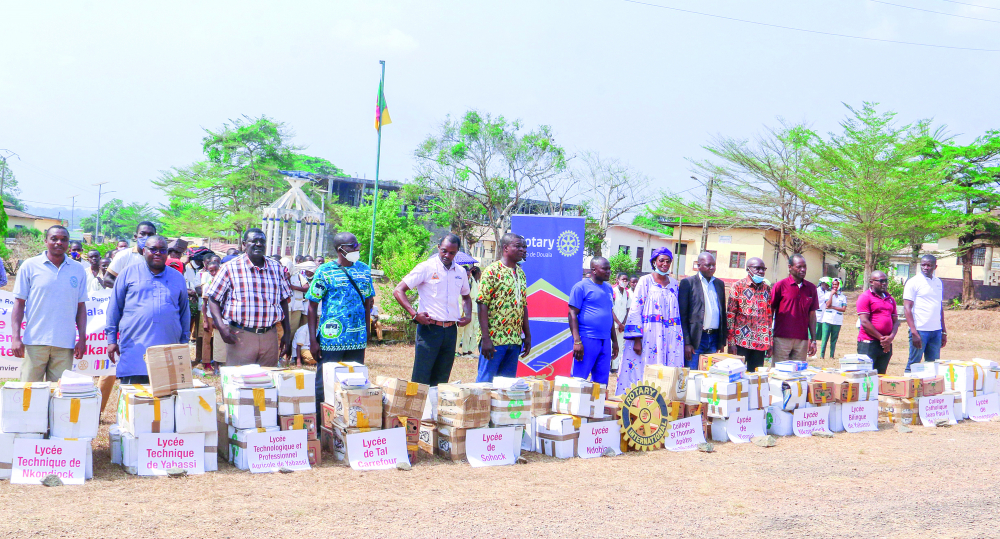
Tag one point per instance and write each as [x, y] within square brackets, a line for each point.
[24, 407]
[169, 368]
[725, 398]
[856, 362]
[223, 427]
[705, 361]
[431, 406]
[931, 386]
[694, 381]
[141, 412]
[328, 415]
[333, 374]
[727, 370]
[7, 450]
[576, 396]
[195, 409]
[898, 386]
[898, 410]
[251, 407]
[412, 426]
[760, 390]
[692, 410]
[464, 406]
[864, 386]
[559, 435]
[510, 407]
[212, 450]
[115, 444]
[306, 422]
[296, 391]
[836, 419]
[672, 381]
[787, 394]
[963, 376]
[962, 401]
[314, 452]
[821, 393]
[428, 437]
[613, 408]
[359, 407]
[676, 410]
[541, 396]
[450, 442]
[403, 398]
[237, 440]
[778, 421]
[73, 417]
[326, 439]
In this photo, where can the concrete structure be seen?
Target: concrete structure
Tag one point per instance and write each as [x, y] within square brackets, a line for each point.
[293, 224]
[19, 219]
[731, 247]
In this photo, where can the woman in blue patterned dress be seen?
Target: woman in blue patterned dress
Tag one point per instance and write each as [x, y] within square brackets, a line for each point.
[653, 323]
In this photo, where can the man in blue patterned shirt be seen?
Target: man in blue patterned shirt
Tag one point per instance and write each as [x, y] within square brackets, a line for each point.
[338, 328]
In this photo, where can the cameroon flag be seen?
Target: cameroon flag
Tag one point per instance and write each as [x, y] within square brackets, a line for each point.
[381, 110]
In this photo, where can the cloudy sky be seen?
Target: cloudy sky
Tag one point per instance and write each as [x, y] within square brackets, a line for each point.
[106, 91]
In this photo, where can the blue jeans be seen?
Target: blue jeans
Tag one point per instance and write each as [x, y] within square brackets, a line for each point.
[930, 348]
[706, 346]
[134, 379]
[504, 363]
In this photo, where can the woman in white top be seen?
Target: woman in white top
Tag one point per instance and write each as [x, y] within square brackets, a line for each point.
[833, 304]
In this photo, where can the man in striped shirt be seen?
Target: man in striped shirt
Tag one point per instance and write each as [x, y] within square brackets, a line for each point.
[251, 293]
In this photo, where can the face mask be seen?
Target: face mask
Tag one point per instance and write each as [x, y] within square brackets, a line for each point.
[353, 256]
[141, 242]
[757, 279]
[664, 273]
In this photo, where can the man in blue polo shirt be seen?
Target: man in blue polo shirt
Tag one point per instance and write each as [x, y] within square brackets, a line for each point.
[592, 323]
[50, 296]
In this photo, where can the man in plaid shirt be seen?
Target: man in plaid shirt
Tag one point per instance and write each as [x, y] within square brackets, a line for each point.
[247, 298]
[748, 312]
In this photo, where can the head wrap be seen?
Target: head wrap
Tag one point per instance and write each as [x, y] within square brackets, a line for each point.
[827, 280]
[196, 253]
[661, 251]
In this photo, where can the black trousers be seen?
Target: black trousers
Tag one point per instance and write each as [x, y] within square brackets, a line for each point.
[435, 354]
[327, 356]
[755, 358]
[880, 358]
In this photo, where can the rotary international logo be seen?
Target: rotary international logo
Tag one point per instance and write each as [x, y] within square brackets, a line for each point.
[568, 243]
[643, 417]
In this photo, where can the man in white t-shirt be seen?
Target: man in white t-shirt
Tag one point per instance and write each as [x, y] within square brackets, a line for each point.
[127, 257]
[300, 347]
[922, 304]
[622, 296]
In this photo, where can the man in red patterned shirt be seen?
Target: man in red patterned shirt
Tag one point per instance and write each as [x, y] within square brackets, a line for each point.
[248, 297]
[748, 311]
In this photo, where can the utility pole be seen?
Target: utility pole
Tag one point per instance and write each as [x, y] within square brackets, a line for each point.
[72, 212]
[680, 245]
[3, 171]
[708, 209]
[97, 227]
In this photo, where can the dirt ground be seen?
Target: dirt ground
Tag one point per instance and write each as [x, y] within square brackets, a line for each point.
[932, 482]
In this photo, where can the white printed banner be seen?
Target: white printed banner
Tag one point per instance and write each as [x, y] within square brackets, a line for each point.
[685, 434]
[34, 459]
[492, 447]
[161, 452]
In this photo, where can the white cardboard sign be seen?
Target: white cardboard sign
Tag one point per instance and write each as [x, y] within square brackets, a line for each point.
[984, 407]
[378, 449]
[743, 426]
[685, 434]
[492, 447]
[935, 408]
[267, 452]
[95, 360]
[806, 421]
[160, 452]
[34, 459]
[595, 438]
[859, 416]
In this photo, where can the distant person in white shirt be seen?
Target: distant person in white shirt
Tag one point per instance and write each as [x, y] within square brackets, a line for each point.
[622, 300]
[833, 304]
[922, 305]
[443, 289]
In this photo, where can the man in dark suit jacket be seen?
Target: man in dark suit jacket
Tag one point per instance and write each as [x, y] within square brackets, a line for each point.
[704, 332]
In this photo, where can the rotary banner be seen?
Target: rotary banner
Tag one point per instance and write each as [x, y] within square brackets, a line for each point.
[552, 266]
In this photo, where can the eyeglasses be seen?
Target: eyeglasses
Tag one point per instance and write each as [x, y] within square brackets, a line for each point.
[880, 280]
[156, 251]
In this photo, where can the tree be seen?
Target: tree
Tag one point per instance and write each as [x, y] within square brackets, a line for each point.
[757, 184]
[614, 189]
[118, 220]
[622, 263]
[491, 162]
[871, 184]
[239, 176]
[8, 186]
[397, 234]
[973, 173]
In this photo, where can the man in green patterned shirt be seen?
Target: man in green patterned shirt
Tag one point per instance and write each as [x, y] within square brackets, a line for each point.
[503, 313]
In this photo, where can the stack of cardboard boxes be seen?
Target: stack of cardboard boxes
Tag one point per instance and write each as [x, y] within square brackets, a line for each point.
[724, 391]
[788, 386]
[173, 402]
[460, 407]
[403, 405]
[296, 390]
[575, 401]
[250, 404]
[352, 405]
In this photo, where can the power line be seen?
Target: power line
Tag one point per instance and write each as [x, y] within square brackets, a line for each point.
[56, 178]
[935, 12]
[55, 204]
[811, 31]
[968, 4]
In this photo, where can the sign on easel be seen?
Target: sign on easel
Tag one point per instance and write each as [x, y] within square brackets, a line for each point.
[34, 459]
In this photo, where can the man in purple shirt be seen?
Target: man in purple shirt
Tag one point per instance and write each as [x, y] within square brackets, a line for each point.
[879, 322]
[794, 302]
[149, 307]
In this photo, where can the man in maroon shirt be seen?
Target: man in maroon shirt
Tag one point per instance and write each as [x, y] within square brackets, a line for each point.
[877, 311]
[794, 302]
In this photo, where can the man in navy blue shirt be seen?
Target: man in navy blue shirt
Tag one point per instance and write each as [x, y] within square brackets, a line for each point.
[592, 323]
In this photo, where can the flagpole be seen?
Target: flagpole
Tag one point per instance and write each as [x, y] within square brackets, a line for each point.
[378, 158]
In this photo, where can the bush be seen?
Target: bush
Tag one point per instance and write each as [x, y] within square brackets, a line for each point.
[621, 262]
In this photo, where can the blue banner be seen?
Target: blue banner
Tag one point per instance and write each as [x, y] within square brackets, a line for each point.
[554, 263]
